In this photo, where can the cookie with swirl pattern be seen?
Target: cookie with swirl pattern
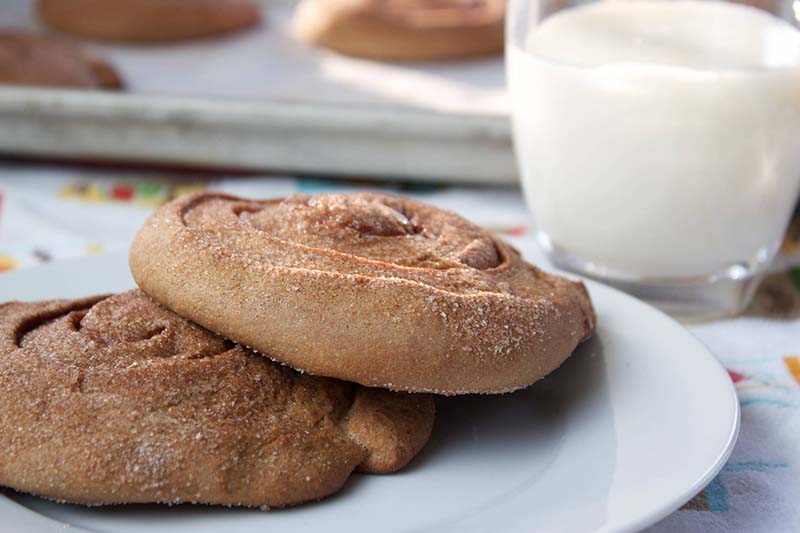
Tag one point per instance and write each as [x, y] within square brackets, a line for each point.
[375, 289]
[118, 400]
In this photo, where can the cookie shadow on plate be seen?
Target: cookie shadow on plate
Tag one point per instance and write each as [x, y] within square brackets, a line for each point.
[534, 416]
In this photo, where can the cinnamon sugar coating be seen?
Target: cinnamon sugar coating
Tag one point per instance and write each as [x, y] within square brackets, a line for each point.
[371, 288]
[118, 400]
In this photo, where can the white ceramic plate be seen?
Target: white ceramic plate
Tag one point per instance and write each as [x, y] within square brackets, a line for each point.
[630, 428]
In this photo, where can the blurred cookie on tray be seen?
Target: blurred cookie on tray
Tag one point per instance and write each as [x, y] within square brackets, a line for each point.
[27, 58]
[403, 30]
[148, 20]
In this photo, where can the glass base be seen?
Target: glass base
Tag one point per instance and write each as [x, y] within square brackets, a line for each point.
[724, 293]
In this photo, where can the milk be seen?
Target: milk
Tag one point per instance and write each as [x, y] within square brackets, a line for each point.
[659, 139]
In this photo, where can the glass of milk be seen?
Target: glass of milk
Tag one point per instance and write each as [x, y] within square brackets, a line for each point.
[658, 141]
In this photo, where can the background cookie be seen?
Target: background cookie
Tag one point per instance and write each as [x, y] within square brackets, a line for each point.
[380, 290]
[30, 59]
[117, 400]
[147, 20]
[403, 29]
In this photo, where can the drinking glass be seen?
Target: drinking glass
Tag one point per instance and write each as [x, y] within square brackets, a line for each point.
[658, 141]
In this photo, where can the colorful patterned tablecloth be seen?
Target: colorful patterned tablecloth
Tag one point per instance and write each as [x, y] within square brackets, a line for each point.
[51, 213]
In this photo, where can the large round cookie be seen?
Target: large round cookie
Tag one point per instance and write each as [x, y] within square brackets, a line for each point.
[118, 400]
[379, 290]
[30, 59]
[403, 29]
[147, 20]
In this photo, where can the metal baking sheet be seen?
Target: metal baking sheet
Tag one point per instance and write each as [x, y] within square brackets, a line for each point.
[259, 100]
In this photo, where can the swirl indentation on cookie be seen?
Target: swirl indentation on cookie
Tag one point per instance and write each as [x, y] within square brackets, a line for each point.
[116, 325]
[367, 287]
[140, 405]
[72, 315]
[369, 226]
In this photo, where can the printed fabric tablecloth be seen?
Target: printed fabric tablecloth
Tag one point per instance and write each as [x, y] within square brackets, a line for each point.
[51, 213]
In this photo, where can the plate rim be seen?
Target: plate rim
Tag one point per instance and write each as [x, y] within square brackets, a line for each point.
[719, 463]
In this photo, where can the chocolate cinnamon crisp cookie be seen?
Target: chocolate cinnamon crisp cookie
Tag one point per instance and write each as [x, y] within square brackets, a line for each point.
[148, 20]
[118, 400]
[380, 290]
[30, 59]
[403, 29]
